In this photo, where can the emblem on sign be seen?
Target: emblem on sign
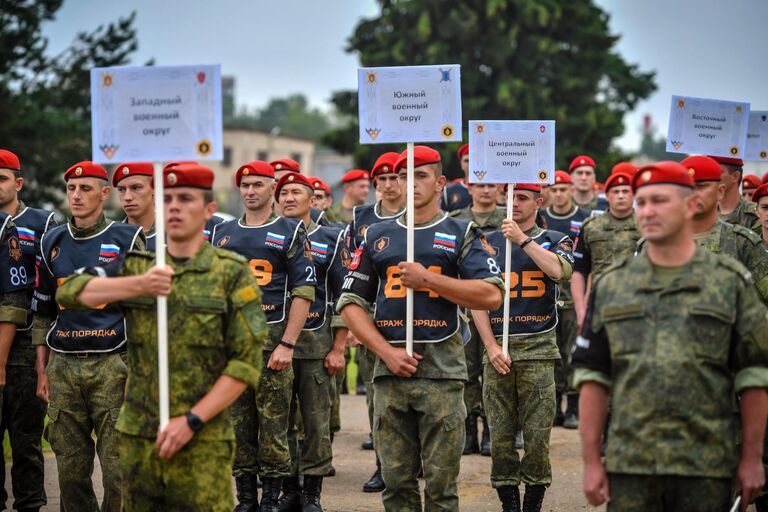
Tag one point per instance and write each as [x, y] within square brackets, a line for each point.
[204, 147]
[445, 75]
[373, 132]
[480, 174]
[109, 150]
[763, 154]
[447, 131]
[201, 78]
[480, 128]
[106, 79]
[676, 144]
[734, 150]
[543, 175]
[681, 103]
[371, 77]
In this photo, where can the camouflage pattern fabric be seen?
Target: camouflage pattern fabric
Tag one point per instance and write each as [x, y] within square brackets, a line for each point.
[642, 493]
[196, 478]
[86, 395]
[419, 422]
[607, 240]
[366, 359]
[524, 399]
[567, 326]
[473, 388]
[337, 214]
[745, 214]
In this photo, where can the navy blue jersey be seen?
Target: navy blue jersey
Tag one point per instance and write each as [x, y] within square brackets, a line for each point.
[318, 217]
[94, 330]
[375, 276]
[362, 217]
[279, 255]
[533, 295]
[331, 258]
[214, 221]
[569, 224]
[31, 223]
[456, 196]
[13, 271]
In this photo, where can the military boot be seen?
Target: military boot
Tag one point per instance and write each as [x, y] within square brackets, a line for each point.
[534, 497]
[510, 498]
[310, 494]
[247, 494]
[470, 442]
[270, 492]
[368, 443]
[290, 501]
[559, 416]
[572, 412]
[485, 444]
[376, 482]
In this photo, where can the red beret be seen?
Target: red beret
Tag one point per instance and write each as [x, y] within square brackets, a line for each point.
[463, 150]
[132, 169]
[191, 175]
[9, 160]
[670, 173]
[286, 164]
[625, 167]
[581, 160]
[319, 184]
[354, 175]
[530, 187]
[598, 186]
[702, 168]
[562, 178]
[293, 178]
[422, 155]
[617, 180]
[171, 165]
[385, 164]
[254, 168]
[736, 162]
[761, 191]
[750, 181]
[86, 169]
[765, 178]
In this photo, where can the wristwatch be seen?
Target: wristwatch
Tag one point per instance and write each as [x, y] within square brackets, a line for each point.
[195, 422]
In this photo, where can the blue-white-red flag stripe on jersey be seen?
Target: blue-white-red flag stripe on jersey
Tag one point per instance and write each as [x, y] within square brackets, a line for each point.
[275, 238]
[109, 251]
[319, 248]
[444, 239]
[26, 234]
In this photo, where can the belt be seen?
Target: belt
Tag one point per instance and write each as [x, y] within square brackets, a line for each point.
[86, 355]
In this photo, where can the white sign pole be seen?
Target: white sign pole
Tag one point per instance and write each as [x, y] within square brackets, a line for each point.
[162, 302]
[507, 265]
[409, 208]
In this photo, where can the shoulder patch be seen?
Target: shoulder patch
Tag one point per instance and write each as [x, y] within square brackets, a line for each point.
[248, 294]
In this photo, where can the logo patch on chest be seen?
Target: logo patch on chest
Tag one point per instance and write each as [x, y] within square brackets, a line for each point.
[319, 250]
[26, 236]
[274, 240]
[381, 244]
[444, 241]
[224, 241]
[108, 252]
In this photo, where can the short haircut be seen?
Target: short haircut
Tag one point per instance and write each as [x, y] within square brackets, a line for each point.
[208, 196]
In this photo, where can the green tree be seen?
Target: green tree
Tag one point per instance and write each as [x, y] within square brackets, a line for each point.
[44, 99]
[521, 59]
[292, 114]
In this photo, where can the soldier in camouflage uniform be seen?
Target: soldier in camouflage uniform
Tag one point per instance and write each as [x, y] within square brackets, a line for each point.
[484, 213]
[734, 209]
[762, 211]
[22, 411]
[419, 404]
[215, 333]
[356, 186]
[663, 329]
[519, 387]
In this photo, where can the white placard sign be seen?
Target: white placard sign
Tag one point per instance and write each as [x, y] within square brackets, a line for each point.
[707, 127]
[156, 113]
[511, 151]
[757, 136]
[409, 104]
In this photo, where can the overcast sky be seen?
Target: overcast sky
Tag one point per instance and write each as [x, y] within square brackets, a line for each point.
[706, 48]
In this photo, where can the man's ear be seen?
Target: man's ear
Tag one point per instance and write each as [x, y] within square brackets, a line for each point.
[106, 190]
[210, 209]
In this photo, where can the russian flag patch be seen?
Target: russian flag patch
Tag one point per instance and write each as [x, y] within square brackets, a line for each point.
[109, 251]
[445, 239]
[275, 238]
[319, 248]
[26, 234]
[575, 226]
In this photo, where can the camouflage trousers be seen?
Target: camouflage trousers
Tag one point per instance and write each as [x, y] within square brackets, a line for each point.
[313, 392]
[473, 388]
[22, 417]
[336, 405]
[524, 399]
[196, 478]
[668, 493]
[567, 327]
[419, 423]
[366, 359]
[260, 418]
[86, 395]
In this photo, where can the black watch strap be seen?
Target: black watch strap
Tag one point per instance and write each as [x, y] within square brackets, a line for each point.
[526, 242]
[195, 422]
[287, 345]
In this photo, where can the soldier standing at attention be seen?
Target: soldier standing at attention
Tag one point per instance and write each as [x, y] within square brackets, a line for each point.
[215, 333]
[582, 170]
[519, 389]
[749, 184]
[604, 239]
[456, 195]
[133, 182]
[278, 252]
[84, 381]
[669, 450]
[565, 216]
[484, 213]
[23, 413]
[419, 401]
[323, 195]
[318, 357]
[356, 186]
[733, 207]
[762, 211]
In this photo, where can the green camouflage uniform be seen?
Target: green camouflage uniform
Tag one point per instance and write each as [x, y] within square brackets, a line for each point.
[745, 214]
[659, 339]
[607, 240]
[215, 328]
[337, 214]
[473, 350]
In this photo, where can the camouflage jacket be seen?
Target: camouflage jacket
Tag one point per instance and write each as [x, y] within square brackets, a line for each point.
[745, 214]
[215, 327]
[604, 240]
[491, 224]
[337, 215]
[674, 355]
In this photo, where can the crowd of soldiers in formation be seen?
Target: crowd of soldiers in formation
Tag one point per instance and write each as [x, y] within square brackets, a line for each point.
[646, 294]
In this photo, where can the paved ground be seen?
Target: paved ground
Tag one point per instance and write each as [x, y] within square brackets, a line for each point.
[354, 466]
